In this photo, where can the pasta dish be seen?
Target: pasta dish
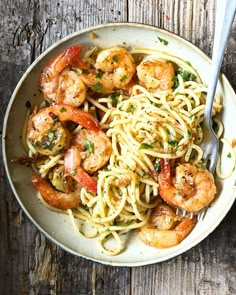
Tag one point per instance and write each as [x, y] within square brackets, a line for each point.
[115, 144]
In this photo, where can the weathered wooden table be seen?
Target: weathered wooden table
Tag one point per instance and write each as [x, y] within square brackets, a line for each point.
[30, 264]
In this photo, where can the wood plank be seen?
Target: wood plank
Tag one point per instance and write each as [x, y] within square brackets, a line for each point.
[29, 262]
[191, 19]
[199, 271]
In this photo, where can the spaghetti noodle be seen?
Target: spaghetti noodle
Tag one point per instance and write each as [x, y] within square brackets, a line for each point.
[143, 127]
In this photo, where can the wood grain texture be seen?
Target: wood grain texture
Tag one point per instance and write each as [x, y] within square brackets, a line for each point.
[31, 264]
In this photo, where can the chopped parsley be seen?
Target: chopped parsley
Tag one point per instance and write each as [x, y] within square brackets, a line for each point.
[115, 58]
[114, 99]
[163, 41]
[89, 146]
[189, 133]
[47, 103]
[82, 233]
[188, 63]
[85, 71]
[145, 146]
[177, 93]
[76, 70]
[157, 166]
[73, 173]
[186, 76]
[86, 207]
[172, 142]
[97, 86]
[132, 109]
[62, 110]
[123, 78]
[99, 75]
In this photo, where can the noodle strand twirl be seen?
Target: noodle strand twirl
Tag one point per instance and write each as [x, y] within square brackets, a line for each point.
[114, 127]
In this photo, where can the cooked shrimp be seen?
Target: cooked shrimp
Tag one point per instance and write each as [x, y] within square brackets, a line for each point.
[59, 83]
[54, 198]
[115, 68]
[89, 151]
[72, 164]
[71, 88]
[165, 229]
[47, 133]
[156, 74]
[61, 180]
[191, 189]
[95, 149]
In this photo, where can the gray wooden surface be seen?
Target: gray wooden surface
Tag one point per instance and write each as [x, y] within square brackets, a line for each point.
[29, 263]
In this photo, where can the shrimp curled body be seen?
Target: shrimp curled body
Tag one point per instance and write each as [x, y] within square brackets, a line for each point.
[156, 74]
[165, 229]
[114, 69]
[60, 83]
[47, 133]
[191, 189]
[55, 198]
[89, 152]
[95, 149]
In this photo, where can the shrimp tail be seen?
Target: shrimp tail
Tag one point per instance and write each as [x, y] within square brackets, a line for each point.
[67, 112]
[85, 180]
[165, 170]
[72, 166]
[52, 197]
[185, 227]
[64, 59]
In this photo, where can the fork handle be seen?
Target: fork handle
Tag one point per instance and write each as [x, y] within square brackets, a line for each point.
[218, 54]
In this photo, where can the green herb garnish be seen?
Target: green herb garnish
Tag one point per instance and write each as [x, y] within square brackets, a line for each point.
[163, 41]
[186, 76]
[115, 58]
[73, 173]
[123, 78]
[47, 103]
[62, 110]
[85, 71]
[114, 99]
[132, 109]
[172, 142]
[157, 166]
[76, 70]
[97, 86]
[89, 146]
[86, 207]
[145, 146]
[189, 133]
[99, 75]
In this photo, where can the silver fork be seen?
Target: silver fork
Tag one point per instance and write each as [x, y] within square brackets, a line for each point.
[210, 143]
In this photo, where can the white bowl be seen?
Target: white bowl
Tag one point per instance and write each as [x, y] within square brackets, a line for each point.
[57, 226]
